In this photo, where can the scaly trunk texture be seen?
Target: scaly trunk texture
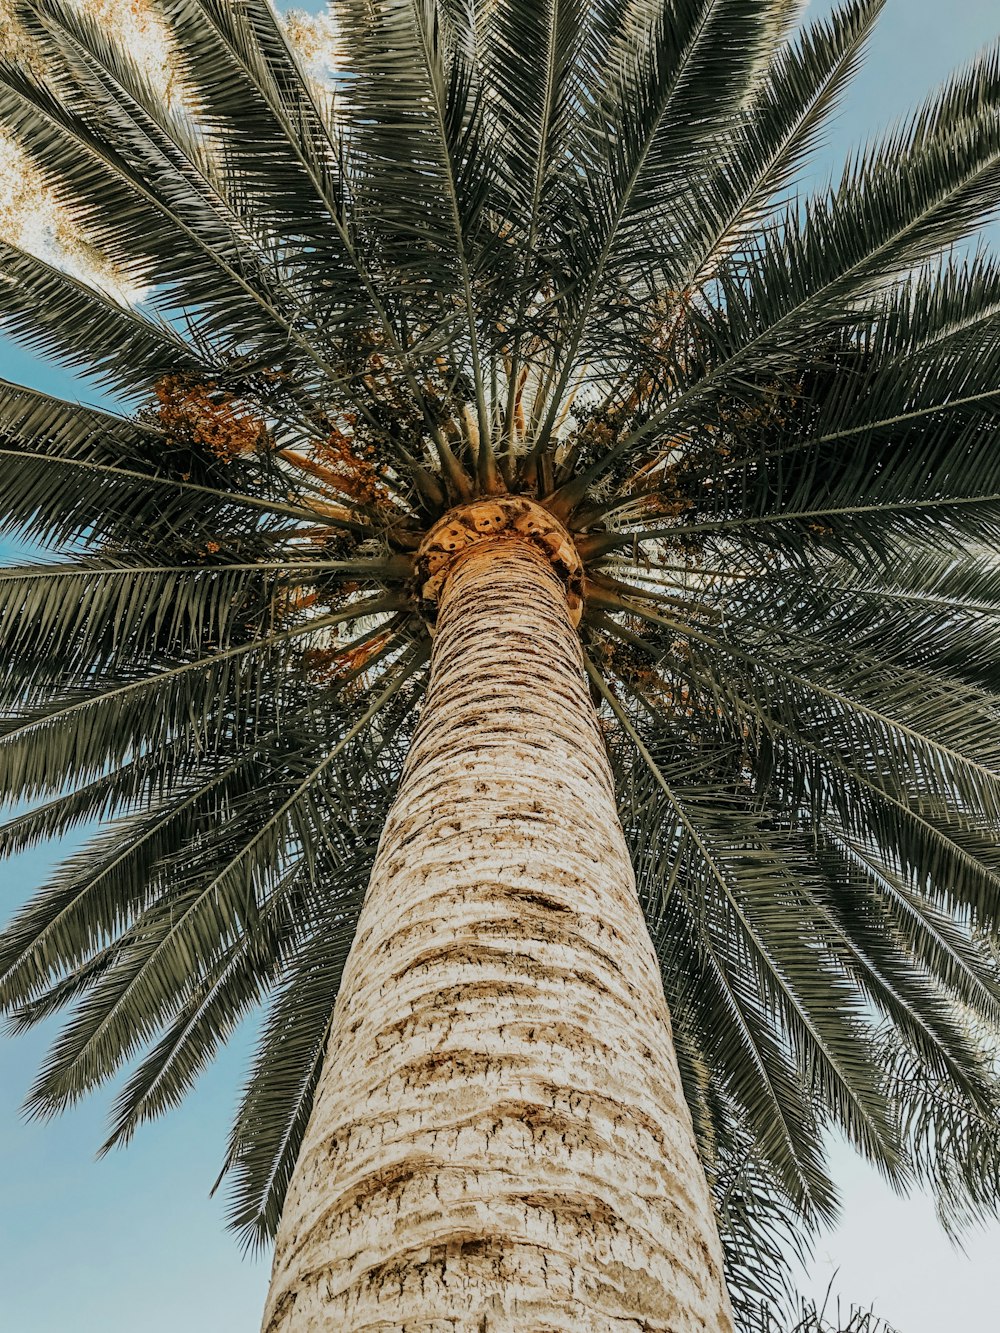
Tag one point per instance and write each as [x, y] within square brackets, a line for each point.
[499, 1139]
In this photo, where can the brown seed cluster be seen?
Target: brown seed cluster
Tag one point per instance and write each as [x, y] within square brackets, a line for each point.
[327, 666]
[203, 415]
[351, 468]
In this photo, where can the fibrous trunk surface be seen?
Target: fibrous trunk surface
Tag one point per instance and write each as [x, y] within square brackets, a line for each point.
[499, 1140]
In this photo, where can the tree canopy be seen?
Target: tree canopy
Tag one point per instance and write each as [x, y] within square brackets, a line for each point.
[555, 248]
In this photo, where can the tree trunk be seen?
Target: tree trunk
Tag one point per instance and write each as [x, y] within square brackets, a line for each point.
[499, 1139]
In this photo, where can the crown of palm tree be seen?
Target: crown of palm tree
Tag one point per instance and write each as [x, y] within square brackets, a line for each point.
[551, 249]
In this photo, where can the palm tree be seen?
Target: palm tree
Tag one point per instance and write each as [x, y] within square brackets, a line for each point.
[538, 571]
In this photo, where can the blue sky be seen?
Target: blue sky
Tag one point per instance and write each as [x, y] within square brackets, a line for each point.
[133, 1244]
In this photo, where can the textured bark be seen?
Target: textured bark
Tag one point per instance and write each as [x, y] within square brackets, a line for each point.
[499, 1140]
